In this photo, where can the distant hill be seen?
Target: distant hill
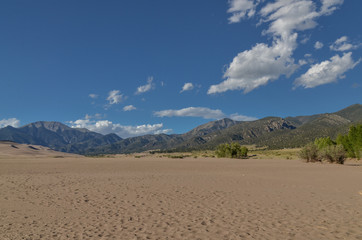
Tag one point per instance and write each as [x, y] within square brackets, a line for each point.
[272, 132]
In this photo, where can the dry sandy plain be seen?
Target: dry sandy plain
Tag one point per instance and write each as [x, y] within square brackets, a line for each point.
[47, 195]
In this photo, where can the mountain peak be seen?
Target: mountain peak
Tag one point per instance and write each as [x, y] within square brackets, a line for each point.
[52, 126]
[352, 113]
[209, 127]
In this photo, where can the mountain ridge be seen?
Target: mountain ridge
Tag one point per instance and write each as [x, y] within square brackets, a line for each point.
[272, 132]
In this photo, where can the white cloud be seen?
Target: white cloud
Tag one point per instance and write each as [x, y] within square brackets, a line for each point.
[342, 44]
[302, 62]
[9, 122]
[341, 40]
[129, 108]
[238, 117]
[187, 87]
[106, 127]
[145, 88]
[318, 45]
[329, 6]
[256, 67]
[203, 112]
[253, 68]
[287, 16]
[327, 71]
[241, 9]
[305, 39]
[206, 113]
[95, 116]
[92, 95]
[114, 97]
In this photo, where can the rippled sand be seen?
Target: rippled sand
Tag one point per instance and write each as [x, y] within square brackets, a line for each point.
[162, 198]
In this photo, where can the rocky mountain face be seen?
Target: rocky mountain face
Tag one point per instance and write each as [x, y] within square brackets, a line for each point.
[243, 132]
[209, 127]
[57, 136]
[273, 132]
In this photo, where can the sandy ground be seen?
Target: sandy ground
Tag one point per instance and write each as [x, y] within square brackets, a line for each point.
[191, 198]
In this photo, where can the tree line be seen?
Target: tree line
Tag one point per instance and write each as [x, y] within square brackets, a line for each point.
[349, 145]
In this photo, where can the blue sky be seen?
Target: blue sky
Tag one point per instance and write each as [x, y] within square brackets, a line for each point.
[141, 67]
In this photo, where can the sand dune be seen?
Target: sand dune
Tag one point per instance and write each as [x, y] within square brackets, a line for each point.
[161, 198]
[12, 149]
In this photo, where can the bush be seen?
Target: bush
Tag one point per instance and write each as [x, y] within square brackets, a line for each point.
[323, 142]
[233, 150]
[244, 152]
[330, 153]
[352, 142]
[333, 154]
[310, 153]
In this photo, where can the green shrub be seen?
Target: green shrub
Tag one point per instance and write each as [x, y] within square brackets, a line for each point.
[352, 142]
[244, 152]
[310, 153]
[323, 142]
[333, 154]
[233, 150]
[222, 150]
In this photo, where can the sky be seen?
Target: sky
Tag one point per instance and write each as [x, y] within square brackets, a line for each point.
[149, 67]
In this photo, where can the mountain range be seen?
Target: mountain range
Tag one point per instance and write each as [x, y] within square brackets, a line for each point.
[271, 132]
[57, 136]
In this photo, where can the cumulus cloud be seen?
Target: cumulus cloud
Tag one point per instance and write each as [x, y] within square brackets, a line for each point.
[145, 88]
[114, 97]
[129, 108]
[318, 45]
[187, 87]
[203, 112]
[327, 71]
[263, 63]
[93, 96]
[9, 122]
[288, 16]
[342, 44]
[241, 9]
[256, 67]
[106, 127]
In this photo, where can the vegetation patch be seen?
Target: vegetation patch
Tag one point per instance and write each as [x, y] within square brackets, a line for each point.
[352, 142]
[287, 153]
[233, 150]
[325, 149]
